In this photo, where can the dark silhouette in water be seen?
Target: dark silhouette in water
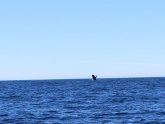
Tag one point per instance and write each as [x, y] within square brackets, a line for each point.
[94, 77]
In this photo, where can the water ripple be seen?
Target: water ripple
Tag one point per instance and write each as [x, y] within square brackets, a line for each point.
[116, 101]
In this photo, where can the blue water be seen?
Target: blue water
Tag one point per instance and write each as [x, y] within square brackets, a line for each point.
[105, 101]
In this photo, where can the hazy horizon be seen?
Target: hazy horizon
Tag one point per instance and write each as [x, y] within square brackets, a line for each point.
[89, 78]
[75, 39]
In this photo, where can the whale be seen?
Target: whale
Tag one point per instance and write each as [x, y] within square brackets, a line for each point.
[94, 77]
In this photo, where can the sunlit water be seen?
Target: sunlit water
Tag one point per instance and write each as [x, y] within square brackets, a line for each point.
[105, 101]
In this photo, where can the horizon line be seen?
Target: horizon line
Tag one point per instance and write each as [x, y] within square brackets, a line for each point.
[83, 78]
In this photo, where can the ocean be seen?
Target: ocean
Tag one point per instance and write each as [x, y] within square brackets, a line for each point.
[83, 101]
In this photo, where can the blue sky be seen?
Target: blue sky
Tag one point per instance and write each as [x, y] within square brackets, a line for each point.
[51, 39]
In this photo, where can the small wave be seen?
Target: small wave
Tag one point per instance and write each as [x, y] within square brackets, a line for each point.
[53, 111]
[98, 116]
[121, 113]
[4, 115]
[49, 118]
[13, 97]
[154, 122]
[9, 121]
[161, 113]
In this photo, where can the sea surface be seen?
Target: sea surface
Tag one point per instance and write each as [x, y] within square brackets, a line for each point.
[83, 101]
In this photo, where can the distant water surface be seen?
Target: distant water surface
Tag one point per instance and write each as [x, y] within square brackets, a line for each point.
[105, 101]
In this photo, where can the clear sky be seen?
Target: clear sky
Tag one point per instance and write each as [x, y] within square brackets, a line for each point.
[51, 39]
